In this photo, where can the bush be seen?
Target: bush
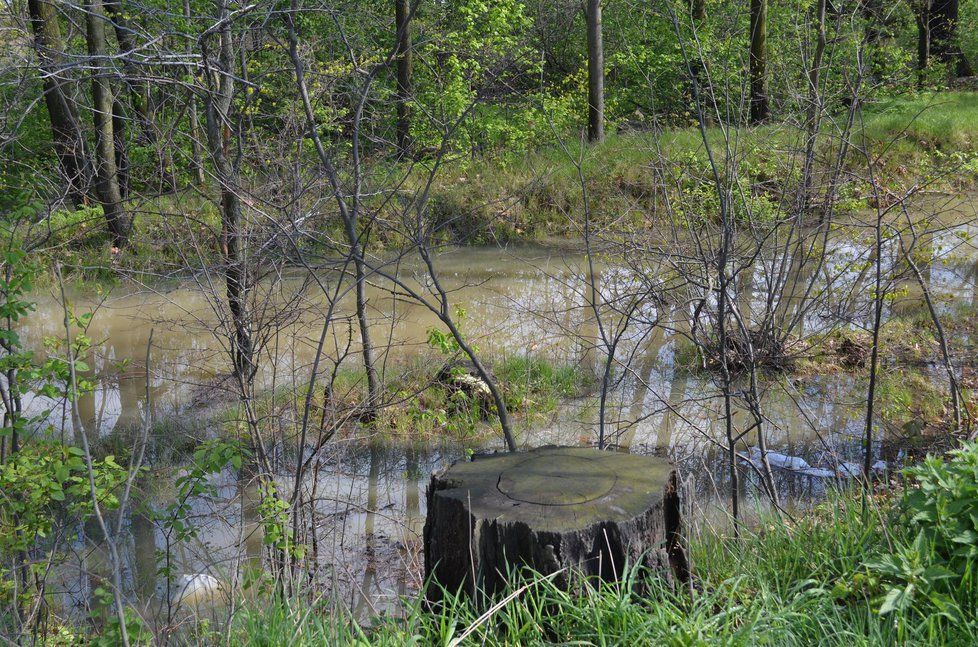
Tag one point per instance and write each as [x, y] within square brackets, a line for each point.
[944, 507]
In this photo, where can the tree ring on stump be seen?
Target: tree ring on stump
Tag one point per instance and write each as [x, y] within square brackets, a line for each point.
[571, 481]
[566, 511]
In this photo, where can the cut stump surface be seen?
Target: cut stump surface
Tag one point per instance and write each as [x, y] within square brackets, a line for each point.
[569, 509]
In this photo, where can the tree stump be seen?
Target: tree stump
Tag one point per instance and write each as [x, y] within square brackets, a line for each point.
[579, 511]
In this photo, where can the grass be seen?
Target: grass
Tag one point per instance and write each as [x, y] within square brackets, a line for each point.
[927, 138]
[532, 386]
[814, 581]
[417, 406]
[888, 568]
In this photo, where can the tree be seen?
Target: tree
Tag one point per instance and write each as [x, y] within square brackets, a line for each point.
[218, 103]
[759, 108]
[595, 73]
[65, 129]
[139, 95]
[937, 35]
[106, 171]
[349, 203]
[402, 22]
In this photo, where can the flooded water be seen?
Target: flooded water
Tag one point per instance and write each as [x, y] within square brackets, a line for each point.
[527, 300]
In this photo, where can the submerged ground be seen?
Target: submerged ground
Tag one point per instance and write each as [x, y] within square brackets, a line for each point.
[838, 566]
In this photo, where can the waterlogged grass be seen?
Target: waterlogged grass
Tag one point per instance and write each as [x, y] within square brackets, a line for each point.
[417, 405]
[533, 387]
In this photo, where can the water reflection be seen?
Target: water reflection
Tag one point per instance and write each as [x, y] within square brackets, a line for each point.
[368, 498]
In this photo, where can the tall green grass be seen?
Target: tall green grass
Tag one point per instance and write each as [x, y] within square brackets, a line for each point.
[820, 580]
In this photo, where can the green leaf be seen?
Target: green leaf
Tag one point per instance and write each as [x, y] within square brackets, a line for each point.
[897, 599]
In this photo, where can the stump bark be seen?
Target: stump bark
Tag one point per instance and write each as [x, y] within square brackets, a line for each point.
[572, 510]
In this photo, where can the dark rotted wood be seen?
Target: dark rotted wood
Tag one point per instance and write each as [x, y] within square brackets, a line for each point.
[583, 510]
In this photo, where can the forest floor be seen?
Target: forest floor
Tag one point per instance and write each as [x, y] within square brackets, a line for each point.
[928, 141]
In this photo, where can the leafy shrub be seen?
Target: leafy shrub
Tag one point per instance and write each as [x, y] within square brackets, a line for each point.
[930, 569]
[944, 506]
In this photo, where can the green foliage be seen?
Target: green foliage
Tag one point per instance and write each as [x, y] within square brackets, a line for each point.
[273, 511]
[943, 505]
[210, 458]
[480, 45]
[110, 634]
[801, 583]
[914, 580]
[45, 481]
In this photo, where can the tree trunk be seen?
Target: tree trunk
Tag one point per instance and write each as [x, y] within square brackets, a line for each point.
[937, 36]
[402, 12]
[218, 101]
[120, 119]
[759, 108]
[565, 512]
[65, 127]
[349, 214]
[139, 97]
[944, 43]
[702, 90]
[106, 171]
[198, 158]
[595, 73]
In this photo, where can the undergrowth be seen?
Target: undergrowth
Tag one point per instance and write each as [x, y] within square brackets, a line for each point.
[925, 139]
[857, 570]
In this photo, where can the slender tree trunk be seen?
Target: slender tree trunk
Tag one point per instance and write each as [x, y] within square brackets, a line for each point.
[106, 172]
[350, 222]
[727, 380]
[195, 148]
[953, 388]
[120, 119]
[218, 101]
[66, 132]
[139, 96]
[922, 15]
[814, 108]
[697, 66]
[595, 73]
[759, 108]
[874, 351]
[405, 63]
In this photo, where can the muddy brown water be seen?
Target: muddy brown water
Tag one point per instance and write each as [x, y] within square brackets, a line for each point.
[519, 300]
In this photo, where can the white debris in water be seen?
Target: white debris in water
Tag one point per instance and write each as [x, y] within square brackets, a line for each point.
[818, 472]
[782, 461]
[194, 588]
[801, 466]
[849, 470]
